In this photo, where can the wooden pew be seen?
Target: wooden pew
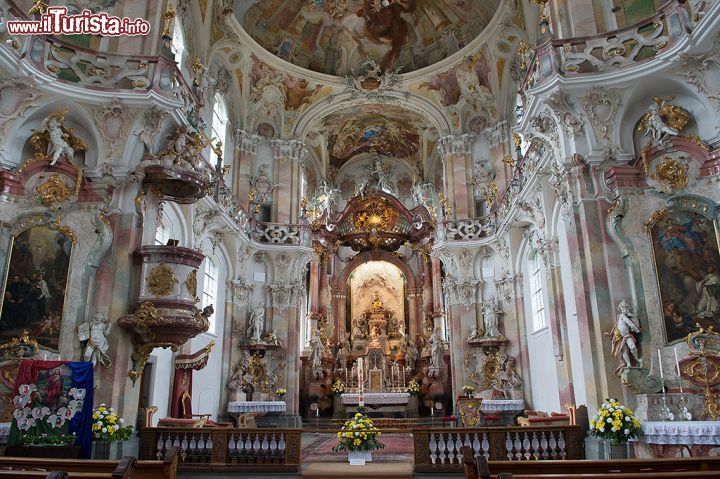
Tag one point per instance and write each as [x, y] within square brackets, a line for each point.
[621, 475]
[127, 468]
[476, 467]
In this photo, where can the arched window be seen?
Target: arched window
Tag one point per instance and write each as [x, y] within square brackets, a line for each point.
[536, 292]
[162, 233]
[219, 118]
[178, 44]
[209, 293]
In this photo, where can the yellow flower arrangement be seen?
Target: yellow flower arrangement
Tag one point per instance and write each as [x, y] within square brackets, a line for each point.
[338, 387]
[280, 392]
[615, 423]
[413, 387]
[107, 426]
[359, 434]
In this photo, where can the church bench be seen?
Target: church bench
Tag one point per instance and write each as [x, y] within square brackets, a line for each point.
[619, 475]
[477, 467]
[128, 467]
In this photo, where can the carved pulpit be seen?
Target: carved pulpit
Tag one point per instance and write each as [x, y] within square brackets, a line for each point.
[185, 364]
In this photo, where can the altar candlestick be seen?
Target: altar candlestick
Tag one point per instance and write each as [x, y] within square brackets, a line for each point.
[677, 362]
[660, 365]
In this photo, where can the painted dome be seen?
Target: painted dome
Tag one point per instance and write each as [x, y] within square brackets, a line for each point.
[337, 36]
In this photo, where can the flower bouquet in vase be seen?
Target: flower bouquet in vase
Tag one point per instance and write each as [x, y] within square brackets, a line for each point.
[614, 424]
[280, 393]
[359, 437]
[109, 433]
[468, 390]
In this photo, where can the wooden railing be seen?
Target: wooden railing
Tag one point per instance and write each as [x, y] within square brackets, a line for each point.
[225, 449]
[438, 450]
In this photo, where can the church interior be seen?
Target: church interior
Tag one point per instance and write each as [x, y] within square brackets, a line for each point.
[360, 238]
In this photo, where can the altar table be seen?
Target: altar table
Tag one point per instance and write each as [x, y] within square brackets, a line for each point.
[490, 406]
[667, 438]
[376, 398]
[241, 407]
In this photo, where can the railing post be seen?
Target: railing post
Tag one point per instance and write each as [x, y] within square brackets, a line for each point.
[148, 444]
[220, 446]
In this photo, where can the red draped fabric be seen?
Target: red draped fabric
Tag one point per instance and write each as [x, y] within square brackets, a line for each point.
[182, 394]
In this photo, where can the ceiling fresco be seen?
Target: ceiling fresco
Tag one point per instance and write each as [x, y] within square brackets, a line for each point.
[337, 36]
[385, 129]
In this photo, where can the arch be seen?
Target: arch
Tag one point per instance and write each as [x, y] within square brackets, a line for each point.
[411, 102]
[341, 282]
[77, 118]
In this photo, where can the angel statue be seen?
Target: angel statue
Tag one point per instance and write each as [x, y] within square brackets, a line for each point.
[624, 342]
[59, 140]
[653, 124]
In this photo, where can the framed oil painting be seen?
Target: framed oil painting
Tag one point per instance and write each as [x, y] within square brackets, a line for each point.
[687, 262]
[34, 290]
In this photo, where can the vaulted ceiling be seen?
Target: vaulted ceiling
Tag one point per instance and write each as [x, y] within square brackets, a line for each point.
[336, 36]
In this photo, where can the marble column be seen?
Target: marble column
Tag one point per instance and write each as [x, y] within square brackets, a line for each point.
[288, 154]
[116, 280]
[246, 151]
[456, 154]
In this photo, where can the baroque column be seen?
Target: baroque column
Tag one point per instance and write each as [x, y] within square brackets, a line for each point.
[289, 157]
[246, 148]
[456, 154]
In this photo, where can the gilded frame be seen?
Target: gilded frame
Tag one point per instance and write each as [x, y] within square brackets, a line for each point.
[692, 204]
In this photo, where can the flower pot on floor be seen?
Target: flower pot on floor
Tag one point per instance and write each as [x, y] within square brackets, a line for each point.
[359, 458]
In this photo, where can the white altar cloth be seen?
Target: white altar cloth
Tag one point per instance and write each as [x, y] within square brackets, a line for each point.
[376, 398]
[239, 407]
[680, 432]
[501, 405]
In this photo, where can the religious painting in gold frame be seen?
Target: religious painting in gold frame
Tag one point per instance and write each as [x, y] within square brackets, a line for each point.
[35, 285]
[686, 256]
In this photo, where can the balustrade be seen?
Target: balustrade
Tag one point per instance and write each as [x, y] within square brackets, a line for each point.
[115, 72]
[470, 229]
[631, 45]
[439, 450]
[216, 448]
[274, 233]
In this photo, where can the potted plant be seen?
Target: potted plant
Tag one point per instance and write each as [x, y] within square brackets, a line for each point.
[468, 390]
[614, 424]
[359, 437]
[110, 436]
[338, 388]
[280, 393]
[413, 389]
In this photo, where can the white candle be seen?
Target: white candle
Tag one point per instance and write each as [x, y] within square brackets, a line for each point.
[660, 365]
[677, 362]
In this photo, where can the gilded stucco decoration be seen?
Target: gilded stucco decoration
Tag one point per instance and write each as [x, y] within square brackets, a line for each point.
[374, 215]
[671, 174]
[191, 284]
[53, 191]
[161, 280]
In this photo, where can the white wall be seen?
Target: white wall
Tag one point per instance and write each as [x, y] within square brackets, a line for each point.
[542, 370]
[162, 376]
[573, 329]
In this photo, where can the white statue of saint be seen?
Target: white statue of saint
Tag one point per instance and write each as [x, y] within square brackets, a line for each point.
[95, 333]
[316, 350]
[256, 324]
[709, 290]
[273, 338]
[58, 145]
[624, 345]
[437, 350]
[344, 352]
[411, 354]
[491, 313]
